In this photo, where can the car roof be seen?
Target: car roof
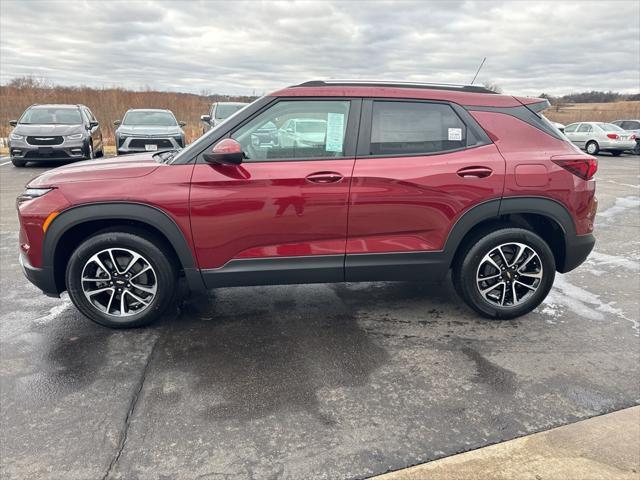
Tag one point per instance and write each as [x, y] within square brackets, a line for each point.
[149, 110]
[230, 103]
[56, 105]
[471, 95]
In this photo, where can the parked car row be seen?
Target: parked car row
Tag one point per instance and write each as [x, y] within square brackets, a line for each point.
[615, 137]
[72, 132]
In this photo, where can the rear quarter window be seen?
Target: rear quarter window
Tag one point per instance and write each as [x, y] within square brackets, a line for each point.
[404, 128]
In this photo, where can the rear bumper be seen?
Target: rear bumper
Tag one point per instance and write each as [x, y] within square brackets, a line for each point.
[617, 145]
[42, 278]
[578, 249]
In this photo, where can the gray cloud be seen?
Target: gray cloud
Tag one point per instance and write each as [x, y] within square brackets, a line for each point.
[241, 47]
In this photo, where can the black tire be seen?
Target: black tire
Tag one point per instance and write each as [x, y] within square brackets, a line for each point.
[593, 145]
[90, 152]
[18, 163]
[100, 153]
[468, 262]
[165, 276]
[616, 153]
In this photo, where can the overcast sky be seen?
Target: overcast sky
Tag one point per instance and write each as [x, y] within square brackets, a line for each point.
[241, 47]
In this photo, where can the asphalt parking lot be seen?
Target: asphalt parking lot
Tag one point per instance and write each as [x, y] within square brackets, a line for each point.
[318, 381]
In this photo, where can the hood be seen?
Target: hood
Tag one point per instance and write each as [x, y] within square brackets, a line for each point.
[148, 130]
[111, 168]
[48, 130]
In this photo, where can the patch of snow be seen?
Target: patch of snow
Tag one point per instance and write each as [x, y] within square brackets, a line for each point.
[604, 259]
[580, 302]
[54, 312]
[622, 204]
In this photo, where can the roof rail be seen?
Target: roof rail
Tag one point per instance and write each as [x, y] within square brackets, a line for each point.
[374, 83]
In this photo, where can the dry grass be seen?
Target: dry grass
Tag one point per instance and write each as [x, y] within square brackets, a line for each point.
[593, 112]
[109, 105]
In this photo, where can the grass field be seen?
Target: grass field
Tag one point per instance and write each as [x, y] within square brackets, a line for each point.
[593, 112]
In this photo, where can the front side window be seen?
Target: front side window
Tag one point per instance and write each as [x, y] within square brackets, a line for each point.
[404, 128]
[51, 116]
[149, 117]
[571, 128]
[296, 130]
[584, 128]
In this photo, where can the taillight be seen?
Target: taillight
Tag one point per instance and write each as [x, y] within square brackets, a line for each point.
[613, 136]
[584, 167]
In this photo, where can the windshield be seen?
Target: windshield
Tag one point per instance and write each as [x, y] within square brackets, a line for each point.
[610, 127]
[51, 116]
[224, 110]
[311, 127]
[149, 117]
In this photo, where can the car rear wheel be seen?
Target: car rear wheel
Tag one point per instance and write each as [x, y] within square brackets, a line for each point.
[505, 273]
[592, 147]
[18, 163]
[121, 280]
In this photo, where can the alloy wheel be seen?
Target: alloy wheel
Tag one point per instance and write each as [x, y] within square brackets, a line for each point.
[509, 274]
[119, 282]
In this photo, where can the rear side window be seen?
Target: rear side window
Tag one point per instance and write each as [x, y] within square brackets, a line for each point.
[404, 128]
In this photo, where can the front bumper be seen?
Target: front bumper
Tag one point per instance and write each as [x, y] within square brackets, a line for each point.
[577, 250]
[43, 278]
[67, 150]
[135, 144]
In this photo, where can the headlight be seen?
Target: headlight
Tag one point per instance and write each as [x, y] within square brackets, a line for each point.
[75, 136]
[15, 136]
[31, 193]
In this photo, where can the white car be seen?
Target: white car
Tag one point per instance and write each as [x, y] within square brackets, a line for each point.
[303, 132]
[598, 136]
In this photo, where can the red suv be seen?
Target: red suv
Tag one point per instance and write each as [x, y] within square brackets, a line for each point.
[358, 182]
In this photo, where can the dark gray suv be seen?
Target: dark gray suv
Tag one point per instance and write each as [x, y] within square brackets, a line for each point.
[55, 133]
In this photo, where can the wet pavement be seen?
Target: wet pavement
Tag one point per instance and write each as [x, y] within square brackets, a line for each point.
[318, 381]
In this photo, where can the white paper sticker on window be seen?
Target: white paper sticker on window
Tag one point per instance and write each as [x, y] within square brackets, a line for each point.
[335, 132]
[455, 134]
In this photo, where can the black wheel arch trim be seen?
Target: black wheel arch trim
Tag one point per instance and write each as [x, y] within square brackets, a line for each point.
[138, 212]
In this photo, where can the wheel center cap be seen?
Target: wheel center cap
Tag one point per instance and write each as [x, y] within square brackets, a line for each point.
[120, 282]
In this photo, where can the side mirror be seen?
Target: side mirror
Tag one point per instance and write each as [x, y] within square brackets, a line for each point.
[205, 118]
[13, 123]
[117, 122]
[226, 152]
[93, 124]
[182, 124]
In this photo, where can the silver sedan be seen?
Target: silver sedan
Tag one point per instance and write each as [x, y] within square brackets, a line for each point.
[598, 136]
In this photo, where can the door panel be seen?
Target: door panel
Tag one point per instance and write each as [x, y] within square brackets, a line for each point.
[269, 209]
[410, 203]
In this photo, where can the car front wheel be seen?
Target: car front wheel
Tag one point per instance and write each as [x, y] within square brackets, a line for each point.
[120, 280]
[18, 163]
[505, 273]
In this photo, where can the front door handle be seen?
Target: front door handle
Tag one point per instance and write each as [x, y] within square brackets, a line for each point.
[324, 177]
[476, 172]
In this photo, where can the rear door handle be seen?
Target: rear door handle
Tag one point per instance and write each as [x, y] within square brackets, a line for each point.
[324, 177]
[476, 172]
